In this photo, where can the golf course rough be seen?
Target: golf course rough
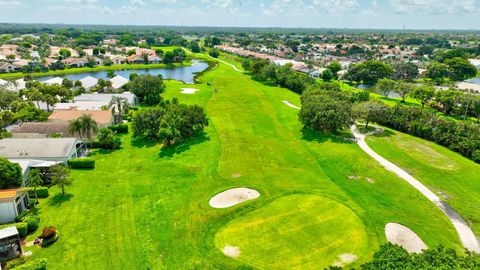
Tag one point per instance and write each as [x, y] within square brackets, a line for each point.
[295, 232]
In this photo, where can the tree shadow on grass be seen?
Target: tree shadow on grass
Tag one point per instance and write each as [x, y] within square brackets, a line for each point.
[385, 133]
[143, 143]
[313, 136]
[59, 199]
[183, 146]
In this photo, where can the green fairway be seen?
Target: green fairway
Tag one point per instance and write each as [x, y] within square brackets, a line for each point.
[146, 207]
[267, 236]
[454, 178]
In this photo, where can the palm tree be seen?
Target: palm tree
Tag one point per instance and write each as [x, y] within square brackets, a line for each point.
[85, 126]
[35, 180]
[119, 106]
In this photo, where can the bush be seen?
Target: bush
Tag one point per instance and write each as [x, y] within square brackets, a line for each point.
[108, 140]
[31, 203]
[49, 235]
[122, 128]
[21, 216]
[33, 265]
[32, 222]
[81, 163]
[42, 192]
[476, 156]
[22, 228]
[51, 240]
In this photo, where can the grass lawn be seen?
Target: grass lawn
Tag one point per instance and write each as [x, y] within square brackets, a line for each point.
[146, 207]
[454, 178]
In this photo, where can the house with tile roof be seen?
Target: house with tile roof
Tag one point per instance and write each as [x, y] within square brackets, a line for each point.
[12, 203]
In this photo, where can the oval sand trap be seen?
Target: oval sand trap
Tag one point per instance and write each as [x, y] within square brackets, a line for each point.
[189, 91]
[232, 197]
[404, 237]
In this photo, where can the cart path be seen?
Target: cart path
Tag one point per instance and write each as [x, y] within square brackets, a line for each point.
[467, 237]
[226, 63]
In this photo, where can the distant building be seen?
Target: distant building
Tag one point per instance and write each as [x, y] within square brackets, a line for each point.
[56, 80]
[130, 97]
[119, 81]
[89, 82]
[9, 67]
[42, 130]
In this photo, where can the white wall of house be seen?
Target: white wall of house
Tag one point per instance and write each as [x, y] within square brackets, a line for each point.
[8, 212]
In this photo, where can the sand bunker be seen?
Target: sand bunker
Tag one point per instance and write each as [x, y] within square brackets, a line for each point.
[189, 91]
[291, 105]
[233, 197]
[345, 259]
[231, 251]
[404, 237]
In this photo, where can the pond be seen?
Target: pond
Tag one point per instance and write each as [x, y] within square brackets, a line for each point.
[372, 89]
[474, 80]
[185, 74]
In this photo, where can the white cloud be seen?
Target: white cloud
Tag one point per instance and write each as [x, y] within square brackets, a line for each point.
[137, 2]
[332, 6]
[10, 3]
[433, 6]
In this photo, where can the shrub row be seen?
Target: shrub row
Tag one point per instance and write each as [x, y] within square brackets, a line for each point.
[121, 128]
[42, 192]
[81, 163]
[33, 265]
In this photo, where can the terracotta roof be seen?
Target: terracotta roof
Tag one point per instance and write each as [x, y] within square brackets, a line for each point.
[101, 117]
[8, 193]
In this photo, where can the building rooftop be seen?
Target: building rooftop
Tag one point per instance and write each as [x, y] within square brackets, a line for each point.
[101, 117]
[8, 232]
[105, 97]
[37, 148]
[89, 82]
[119, 81]
[8, 193]
[42, 128]
[56, 80]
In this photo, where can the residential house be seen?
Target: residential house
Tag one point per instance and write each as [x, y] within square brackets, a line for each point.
[55, 52]
[12, 203]
[118, 60]
[98, 61]
[10, 246]
[56, 80]
[119, 81]
[110, 42]
[3, 83]
[89, 82]
[132, 100]
[42, 130]
[45, 149]
[17, 85]
[475, 62]
[154, 59]
[136, 59]
[9, 67]
[103, 118]
[76, 62]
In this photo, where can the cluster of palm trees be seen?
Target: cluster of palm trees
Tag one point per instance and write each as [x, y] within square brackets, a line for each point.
[85, 126]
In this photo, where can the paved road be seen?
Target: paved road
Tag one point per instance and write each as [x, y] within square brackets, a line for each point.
[465, 233]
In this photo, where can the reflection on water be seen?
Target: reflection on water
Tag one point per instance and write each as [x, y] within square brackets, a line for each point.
[185, 74]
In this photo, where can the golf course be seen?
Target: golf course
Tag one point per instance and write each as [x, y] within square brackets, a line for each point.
[323, 201]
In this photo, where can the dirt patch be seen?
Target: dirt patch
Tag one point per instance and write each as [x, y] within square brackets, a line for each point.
[233, 197]
[231, 251]
[344, 259]
[361, 178]
[404, 237]
[189, 91]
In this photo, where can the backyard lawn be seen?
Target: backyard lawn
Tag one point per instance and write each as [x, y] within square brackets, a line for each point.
[146, 207]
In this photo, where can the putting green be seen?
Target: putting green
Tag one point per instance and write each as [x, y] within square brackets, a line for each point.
[295, 231]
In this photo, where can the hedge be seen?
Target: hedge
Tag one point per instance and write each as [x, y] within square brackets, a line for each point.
[33, 265]
[81, 163]
[22, 228]
[121, 128]
[42, 192]
[32, 222]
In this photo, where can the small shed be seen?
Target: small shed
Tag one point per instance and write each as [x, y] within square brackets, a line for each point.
[10, 246]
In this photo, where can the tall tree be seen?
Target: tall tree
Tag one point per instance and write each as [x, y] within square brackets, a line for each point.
[403, 89]
[85, 126]
[35, 180]
[423, 94]
[385, 86]
[10, 174]
[60, 177]
[370, 111]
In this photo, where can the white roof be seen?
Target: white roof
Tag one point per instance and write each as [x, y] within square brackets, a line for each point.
[81, 105]
[38, 148]
[118, 81]
[468, 86]
[475, 62]
[26, 164]
[17, 85]
[3, 82]
[56, 80]
[89, 82]
[104, 97]
[8, 232]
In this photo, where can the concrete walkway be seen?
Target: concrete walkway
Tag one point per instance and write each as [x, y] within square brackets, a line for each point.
[226, 63]
[464, 231]
[291, 105]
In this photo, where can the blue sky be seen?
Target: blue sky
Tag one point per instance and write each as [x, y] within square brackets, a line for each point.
[414, 14]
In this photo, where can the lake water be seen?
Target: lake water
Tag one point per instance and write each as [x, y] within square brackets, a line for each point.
[185, 74]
